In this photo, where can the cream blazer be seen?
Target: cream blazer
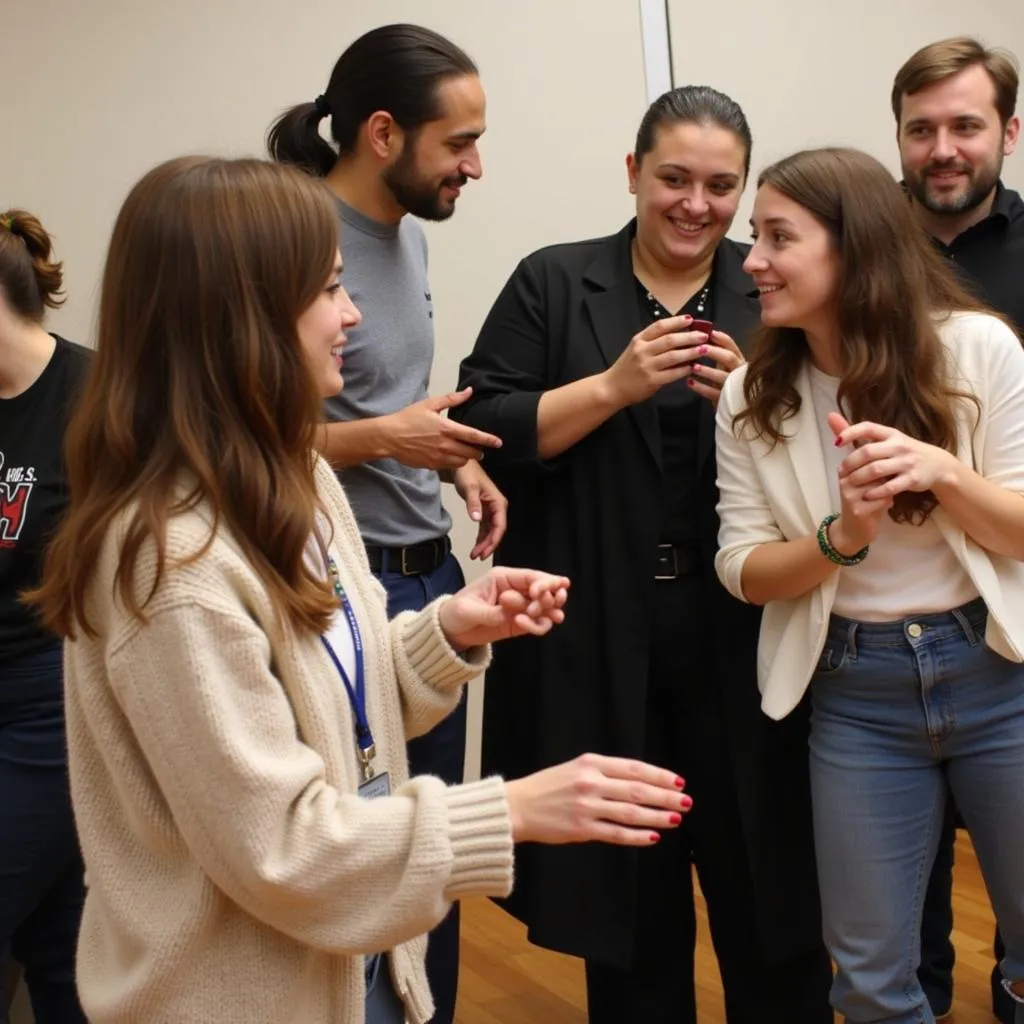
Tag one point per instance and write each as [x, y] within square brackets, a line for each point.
[777, 494]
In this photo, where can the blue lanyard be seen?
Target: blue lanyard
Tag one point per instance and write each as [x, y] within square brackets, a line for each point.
[356, 694]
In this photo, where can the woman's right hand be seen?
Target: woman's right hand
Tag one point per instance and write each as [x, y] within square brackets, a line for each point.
[859, 519]
[596, 799]
[658, 355]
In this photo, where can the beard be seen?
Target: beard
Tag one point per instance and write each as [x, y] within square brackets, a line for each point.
[978, 186]
[416, 194]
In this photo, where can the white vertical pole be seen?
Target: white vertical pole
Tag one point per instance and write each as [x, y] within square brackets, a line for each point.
[657, 47]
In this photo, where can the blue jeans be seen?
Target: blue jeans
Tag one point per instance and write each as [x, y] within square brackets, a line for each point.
[41, 873]
[900, 710]
[383, 1005]
[441, 752]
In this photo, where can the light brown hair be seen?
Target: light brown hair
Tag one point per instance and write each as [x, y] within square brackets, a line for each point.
[29, 279]
[892, 286]
[200, 391]
[941, 60]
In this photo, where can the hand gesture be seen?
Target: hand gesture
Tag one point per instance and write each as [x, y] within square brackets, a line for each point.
[504, 603]
[708, 381]
[596, 798]
[421, 435]
[887, 462]
[860, 515]
[660, 354]
[485, 504]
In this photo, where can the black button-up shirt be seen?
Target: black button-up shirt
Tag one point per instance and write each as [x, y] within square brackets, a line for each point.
[678, 418]
[990, 256]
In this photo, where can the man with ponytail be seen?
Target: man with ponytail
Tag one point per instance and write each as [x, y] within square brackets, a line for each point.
[405, 109]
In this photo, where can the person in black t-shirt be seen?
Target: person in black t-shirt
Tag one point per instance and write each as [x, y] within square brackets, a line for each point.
[41, 873]
[954, 103]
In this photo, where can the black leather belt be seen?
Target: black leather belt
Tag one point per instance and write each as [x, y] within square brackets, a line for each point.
[414, 560]
[674, 560]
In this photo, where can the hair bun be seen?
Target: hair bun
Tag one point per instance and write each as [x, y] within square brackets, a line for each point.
[47, 273]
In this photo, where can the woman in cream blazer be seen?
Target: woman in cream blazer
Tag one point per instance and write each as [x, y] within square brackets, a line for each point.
[871, 477]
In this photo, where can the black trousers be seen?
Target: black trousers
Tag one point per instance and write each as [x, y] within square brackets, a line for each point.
[41, 873]
[685, 733]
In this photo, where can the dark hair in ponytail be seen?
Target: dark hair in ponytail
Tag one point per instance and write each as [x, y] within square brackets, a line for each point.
[29, 279]
[694, 104]
[396, 68]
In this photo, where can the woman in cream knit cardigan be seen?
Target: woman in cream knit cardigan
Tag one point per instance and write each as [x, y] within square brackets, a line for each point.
[254, 849]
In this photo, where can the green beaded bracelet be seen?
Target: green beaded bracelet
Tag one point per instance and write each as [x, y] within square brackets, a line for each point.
[830, 552]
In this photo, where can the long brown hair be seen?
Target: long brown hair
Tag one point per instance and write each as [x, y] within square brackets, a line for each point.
[893, 289]
[199, 391]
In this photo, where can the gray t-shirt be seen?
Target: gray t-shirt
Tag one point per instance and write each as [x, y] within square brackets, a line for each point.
[387, 367]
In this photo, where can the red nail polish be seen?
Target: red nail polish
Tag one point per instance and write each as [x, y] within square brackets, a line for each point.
[654, 837]
[689, 383]
[702, 349]
[674, 819]
[680, 782]
[686, 803]
[839, 442]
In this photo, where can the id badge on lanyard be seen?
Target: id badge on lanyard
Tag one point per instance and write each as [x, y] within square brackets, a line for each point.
[373, 785]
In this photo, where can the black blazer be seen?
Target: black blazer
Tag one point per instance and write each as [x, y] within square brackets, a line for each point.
[568, 312]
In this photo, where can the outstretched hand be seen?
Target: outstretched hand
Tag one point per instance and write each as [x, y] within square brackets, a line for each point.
[503, 603]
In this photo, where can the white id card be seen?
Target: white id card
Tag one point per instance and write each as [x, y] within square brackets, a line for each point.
[378, 786]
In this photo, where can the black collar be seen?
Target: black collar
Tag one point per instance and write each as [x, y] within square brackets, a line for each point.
[613, 265]
[1004, 206]
[1005, 203]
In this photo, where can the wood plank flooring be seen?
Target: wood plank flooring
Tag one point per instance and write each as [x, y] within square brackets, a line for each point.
[504, 980]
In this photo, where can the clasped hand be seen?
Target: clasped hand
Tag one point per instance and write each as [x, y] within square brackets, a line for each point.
[884, 462]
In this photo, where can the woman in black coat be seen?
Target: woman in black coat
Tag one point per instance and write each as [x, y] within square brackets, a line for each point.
[605, 402]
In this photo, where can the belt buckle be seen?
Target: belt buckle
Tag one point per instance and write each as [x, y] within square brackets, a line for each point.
[405, 568]
[675, 564]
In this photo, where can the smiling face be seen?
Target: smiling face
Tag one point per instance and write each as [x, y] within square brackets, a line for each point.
[952, 142]
[438, 158]
[687, 190]
[321, 331]
[794, 264]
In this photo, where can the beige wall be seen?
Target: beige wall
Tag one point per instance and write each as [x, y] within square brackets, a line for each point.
[809, 73]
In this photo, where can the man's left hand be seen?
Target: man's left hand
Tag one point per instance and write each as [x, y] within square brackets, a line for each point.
[485, 504]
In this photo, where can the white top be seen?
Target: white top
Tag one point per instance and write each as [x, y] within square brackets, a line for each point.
[910, 570]
[339, 632]
[781, 492]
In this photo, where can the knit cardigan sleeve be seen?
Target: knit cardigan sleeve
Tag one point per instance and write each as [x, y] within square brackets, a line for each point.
[430, 673]
[253, 806]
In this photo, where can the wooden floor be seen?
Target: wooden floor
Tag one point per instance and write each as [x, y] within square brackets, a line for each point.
[504, 980]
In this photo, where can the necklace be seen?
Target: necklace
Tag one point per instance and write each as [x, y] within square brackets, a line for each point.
[332, 568]
[659, 311]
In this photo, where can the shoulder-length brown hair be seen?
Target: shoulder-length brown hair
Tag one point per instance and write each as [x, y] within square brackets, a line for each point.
[893, 289]
[199, 379]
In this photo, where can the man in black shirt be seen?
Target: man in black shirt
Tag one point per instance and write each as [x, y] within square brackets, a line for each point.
[955, 103]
